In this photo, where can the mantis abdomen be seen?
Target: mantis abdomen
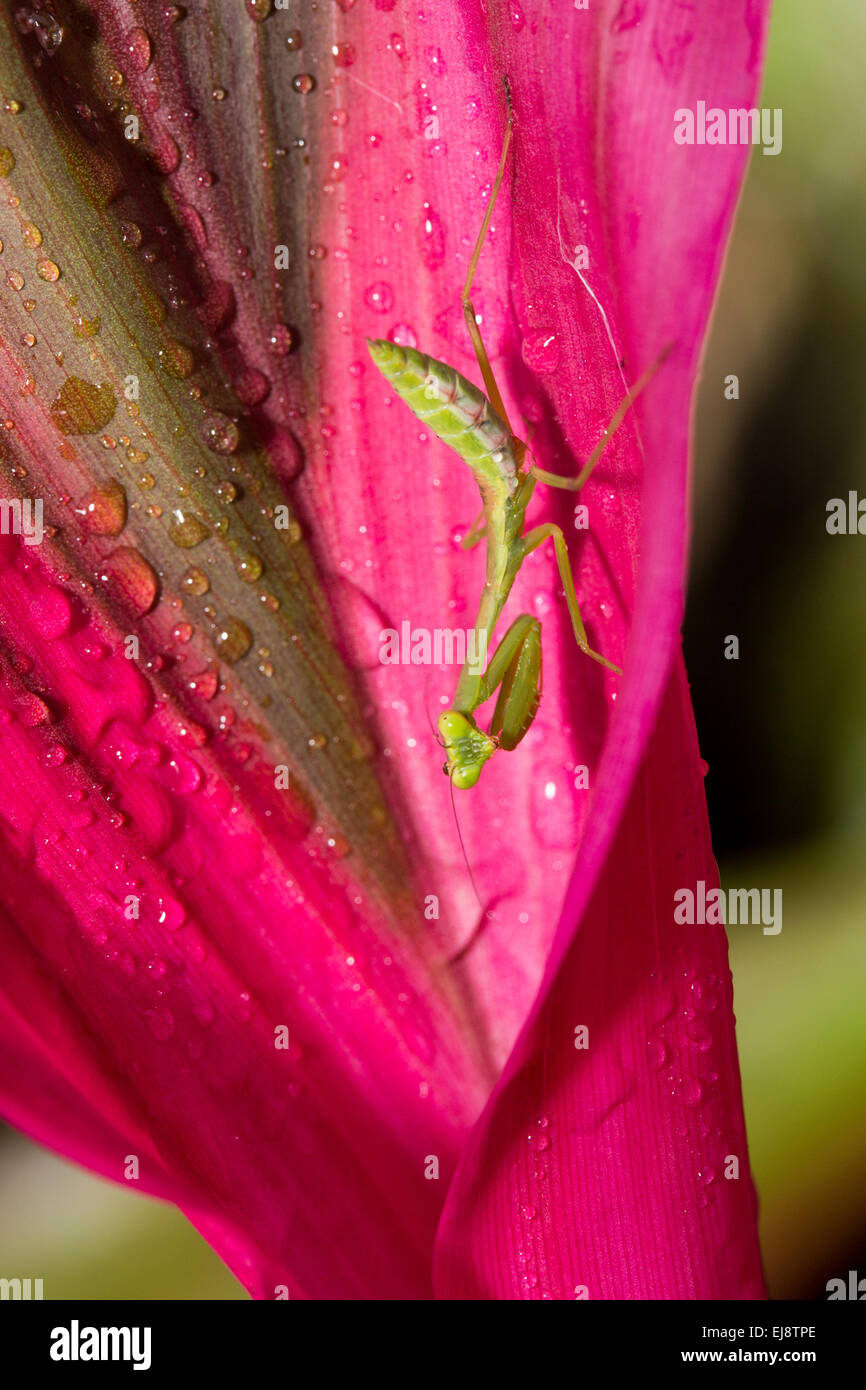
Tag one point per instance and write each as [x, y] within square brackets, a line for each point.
[454, 409]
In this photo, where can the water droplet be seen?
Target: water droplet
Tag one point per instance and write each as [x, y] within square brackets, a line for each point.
[184, 775]
[32, 711]
[516, 16]
[252, 386]
[130, 233]
[250, 568]
[194, 581]
[294, 40]
[554, 808]
[338, 168]
[343, 54]
[404, 334]
[82, 408]
[186, 529]
[304, 83]
[131, 578]
[280, 340]
[7, 161]
[379, 297]
[139, 48]
[221, 434]
[541, 351]
[692, 1091]
[233, 640]
[52, 614]
[31, 234]
[176, 359]
[166, 154]
[49, 33]
[103, 510]
[50, 271]
[205, 685]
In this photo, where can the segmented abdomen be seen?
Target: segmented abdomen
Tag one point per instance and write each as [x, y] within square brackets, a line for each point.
[453, 408]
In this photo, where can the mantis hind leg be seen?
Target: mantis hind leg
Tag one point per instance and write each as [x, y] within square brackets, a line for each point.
[625, 405]
[531, 542]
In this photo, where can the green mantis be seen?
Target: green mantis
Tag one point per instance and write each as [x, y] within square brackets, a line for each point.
[476, 426]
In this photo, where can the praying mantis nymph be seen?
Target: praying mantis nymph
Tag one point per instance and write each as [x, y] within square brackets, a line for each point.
[476, 425]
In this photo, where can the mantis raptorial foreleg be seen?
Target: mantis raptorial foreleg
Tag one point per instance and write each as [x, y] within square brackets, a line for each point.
[531, 541]
[515, 670]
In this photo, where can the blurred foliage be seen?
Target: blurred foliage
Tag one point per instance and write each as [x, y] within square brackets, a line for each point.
[783, 728]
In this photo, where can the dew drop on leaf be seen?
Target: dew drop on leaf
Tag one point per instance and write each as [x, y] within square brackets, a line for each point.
[186, 529]
[554, 807]
[233, 640]
[541, 351]
[194, 581]
[80, 407]
[250, 568]
[103, 510]
[252, 386]
[404, 334]
[343, 54]
[176, 359]
[139, 48]
[379, 297]
[431, 238]
[221, 434]
[304, 83]
[131, 578]
[166, 153]
[280, 340]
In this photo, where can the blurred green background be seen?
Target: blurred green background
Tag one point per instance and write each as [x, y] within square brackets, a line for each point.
[783, 728]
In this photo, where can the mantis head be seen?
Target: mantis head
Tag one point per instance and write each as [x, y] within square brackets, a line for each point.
[466, 747]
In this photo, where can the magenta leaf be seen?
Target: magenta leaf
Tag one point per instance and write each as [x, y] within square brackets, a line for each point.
[244, 962]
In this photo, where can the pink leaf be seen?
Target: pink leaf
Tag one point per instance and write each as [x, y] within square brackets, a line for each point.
[367, 151]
